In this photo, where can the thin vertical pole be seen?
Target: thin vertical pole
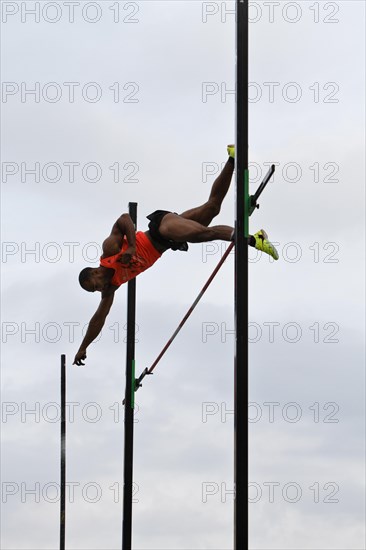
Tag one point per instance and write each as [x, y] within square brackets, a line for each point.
[63, 454]
[241, 537]
[129, 405]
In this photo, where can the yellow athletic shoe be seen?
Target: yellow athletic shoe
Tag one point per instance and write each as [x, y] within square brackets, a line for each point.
[231, 151]
[262, 243]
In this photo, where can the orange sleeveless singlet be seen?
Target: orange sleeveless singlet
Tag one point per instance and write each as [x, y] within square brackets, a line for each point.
[146, 255]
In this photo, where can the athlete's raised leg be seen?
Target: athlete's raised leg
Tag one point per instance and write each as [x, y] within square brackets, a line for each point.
[193, 225]
[205, 213]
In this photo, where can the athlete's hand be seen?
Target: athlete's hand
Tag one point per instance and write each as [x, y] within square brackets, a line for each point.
[80, 357]
[127, 256]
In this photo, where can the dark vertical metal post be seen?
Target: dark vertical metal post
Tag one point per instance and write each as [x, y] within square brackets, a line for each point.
[241, 281]
[63, 454]
[129, 405]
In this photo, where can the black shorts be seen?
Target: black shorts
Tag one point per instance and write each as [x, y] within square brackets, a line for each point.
[155, 220]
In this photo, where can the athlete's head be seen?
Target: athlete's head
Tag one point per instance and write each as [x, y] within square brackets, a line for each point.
[85, 278]
[92, 279]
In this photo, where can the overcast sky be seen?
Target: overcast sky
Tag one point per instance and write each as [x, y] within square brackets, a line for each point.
[133, 101]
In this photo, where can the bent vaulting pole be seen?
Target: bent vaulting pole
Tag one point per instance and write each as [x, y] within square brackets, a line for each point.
[63, 454]
[241, 281]
[183, 321]
[129, 403]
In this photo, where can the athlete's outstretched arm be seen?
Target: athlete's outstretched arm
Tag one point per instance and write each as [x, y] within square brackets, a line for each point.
[95, 326]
